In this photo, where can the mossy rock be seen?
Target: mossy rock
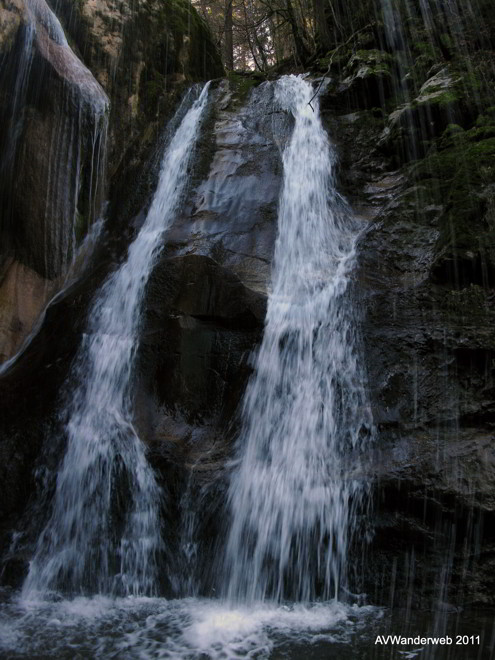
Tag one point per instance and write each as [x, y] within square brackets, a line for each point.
[445, 99]
[241, 84]
[368, 81]
[461, 174]
[424, 56]
[463, 156]
[378, 60]
[143, 58]
[451, 137]
[367, 65]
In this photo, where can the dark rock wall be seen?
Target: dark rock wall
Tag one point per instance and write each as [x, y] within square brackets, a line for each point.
[54, 127]
[143, 54]
[53, 116]
[413, 122]
[205, 311]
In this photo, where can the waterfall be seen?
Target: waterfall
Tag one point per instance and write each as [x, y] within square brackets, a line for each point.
[294, 491]
[104, 530]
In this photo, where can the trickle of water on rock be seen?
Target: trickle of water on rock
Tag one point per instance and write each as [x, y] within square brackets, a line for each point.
[14, 117]
[104, 530]
[294, 491]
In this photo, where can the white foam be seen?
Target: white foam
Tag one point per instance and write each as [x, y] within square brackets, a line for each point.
[293, 500]
[79, 547]
[192, 628]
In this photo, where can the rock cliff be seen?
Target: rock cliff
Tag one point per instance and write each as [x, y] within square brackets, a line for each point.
[55, 112]
[52, 136]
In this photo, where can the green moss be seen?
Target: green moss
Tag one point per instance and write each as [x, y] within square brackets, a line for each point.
[457, 175]
[487, 118]
[426, 53]
[372, 55]
[322, 63]
[241, 85]
[373, 62]
[336, 59]
[452, 136]
[446, 41]
[191, 31]
[470, 81]
[483, 133]
[178, 38]
[463, 155]
[449, 97]
[176, 47]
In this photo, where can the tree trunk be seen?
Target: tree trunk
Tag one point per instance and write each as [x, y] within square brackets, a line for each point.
[228, 43]
[323, 33]
[301, 50]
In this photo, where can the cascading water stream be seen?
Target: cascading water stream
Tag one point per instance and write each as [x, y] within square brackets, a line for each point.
[293, 495]
[95, 538]
[15, 115]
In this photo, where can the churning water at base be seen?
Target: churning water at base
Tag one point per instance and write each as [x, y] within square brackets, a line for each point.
[104, 532]
[200, 629]
[294, 492]
[188, 629]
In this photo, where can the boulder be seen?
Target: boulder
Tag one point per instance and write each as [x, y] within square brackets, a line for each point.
[52, 137]
[443, 99]
[367, 79]
[143, 54]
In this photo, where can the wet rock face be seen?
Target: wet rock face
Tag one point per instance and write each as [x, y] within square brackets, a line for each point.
[231, 213]
[32, 390]
[205, 309]
[206, 300]
[142, 53]
[203, 314]
[425, 281]
[202, 323]
[52, 139]
[52, 135]
[54, 115]
[53, 131]
[367, 78]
